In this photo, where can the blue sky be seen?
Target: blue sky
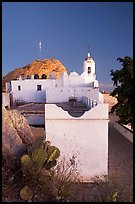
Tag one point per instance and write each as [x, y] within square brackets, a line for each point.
[66, 29]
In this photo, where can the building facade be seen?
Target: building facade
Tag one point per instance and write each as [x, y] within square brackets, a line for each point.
[80, 131]
[57, 90]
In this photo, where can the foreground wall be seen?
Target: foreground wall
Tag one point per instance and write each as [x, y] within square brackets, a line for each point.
[85, 137]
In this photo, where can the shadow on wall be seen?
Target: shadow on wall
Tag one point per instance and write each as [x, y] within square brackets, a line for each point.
[74, 108]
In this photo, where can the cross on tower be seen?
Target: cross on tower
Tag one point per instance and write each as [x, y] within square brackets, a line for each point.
[88, 48]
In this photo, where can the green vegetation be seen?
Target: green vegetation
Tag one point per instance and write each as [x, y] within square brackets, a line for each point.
[44, 176]
[123, 80]
[41, 177]
[36, 168]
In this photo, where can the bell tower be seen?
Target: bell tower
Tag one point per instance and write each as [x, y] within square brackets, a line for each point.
[89, 66]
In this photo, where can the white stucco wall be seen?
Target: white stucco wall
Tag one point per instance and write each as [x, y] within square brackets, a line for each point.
[8, 86]
[76, 80]
[6, 99]
[89, 63]
[101, 97]
[35, 119]
[28, 92]
[85, 137]
[60, 94]
[128, 134]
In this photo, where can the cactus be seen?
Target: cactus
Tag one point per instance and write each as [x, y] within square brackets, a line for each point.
[46, 145]
[53, 153]
[39, 156]
[26, 193]
[36, 165]
[26, 160]
[38, 143]
[43, 156]
[50, 164]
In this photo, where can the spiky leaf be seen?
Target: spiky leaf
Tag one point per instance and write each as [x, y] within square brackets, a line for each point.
[39, 156]
[26, 193]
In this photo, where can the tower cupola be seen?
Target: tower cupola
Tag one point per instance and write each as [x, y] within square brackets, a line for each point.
[89, 66]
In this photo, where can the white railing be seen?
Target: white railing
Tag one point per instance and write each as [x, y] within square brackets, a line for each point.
[90, 103]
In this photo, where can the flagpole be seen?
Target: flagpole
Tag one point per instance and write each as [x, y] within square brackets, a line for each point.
[40, 47]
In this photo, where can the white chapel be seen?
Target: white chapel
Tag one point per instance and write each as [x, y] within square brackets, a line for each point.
[75, 116]
[58, 90]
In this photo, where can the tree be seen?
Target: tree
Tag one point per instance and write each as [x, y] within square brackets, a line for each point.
[123, 80]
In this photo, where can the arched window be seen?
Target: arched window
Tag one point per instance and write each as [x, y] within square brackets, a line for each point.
[44, 76]
[19, 88]
[89, 70]
[36, 76]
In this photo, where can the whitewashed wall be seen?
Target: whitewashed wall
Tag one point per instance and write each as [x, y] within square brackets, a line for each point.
[127, 133]
[59, 94]
[6, 99]
[85, 137]
[29, 91]
[73, 79]
[101, 97]
[8, 86]
[37, 119]
[89, 63]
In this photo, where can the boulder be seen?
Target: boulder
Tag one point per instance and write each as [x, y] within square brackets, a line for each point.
[17, 136]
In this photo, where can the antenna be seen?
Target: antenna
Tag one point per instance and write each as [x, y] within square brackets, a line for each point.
[88, 48]
[40, 48]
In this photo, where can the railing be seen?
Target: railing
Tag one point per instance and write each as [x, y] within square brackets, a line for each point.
[90, 103]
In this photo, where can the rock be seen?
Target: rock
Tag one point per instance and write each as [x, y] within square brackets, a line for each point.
[110, 100]
[22, 127]
[16, 136]
[43, 66]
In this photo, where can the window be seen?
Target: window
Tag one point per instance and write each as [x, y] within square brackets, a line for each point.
[19, 88]
[38, 87]
[44, 76]
[36, 76]
[89, 70]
